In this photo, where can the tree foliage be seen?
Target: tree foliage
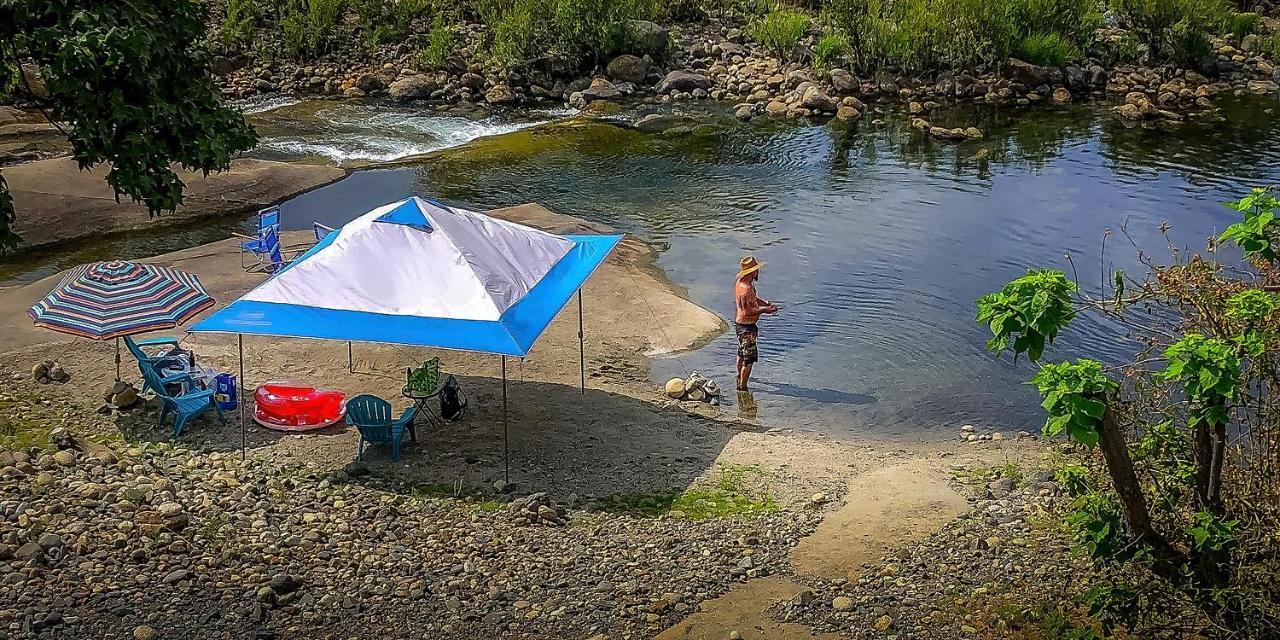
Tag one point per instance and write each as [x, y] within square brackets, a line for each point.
[130, 85]
[1181, 502]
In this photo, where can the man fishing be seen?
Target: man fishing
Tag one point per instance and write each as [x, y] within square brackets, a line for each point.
[749, 309]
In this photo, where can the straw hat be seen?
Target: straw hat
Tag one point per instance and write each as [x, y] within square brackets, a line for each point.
[748, 265]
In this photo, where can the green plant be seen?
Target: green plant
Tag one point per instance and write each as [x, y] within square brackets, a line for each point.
[1074, 478]
[309, 26]
[1074, 396]
[1031, 310]
[440, 45]
[780, 30]
[830, 49]
[240, 25]
[1180, 504]
[129, 83]
[1257, 233]
[1112, 604]
[1178, 30]
[582, 30]
[1048, 49]
[1239, 25]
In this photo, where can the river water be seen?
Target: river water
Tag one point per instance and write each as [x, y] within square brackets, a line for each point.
[877, 239]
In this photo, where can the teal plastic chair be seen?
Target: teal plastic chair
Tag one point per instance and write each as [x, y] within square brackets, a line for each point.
[186, 405]
[372, 417]
[156, 362]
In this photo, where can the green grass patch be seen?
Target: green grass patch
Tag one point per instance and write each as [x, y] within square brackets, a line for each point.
[728, 495]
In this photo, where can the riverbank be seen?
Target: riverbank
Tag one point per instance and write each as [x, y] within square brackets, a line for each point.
[646, 515]
[57, 202]
[720, 56]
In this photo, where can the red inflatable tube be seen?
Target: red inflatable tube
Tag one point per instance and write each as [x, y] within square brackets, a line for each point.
[295, 406]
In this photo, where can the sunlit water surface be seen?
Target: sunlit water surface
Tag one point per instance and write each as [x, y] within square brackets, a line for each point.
[878, 240]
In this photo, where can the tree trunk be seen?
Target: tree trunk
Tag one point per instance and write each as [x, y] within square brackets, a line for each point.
[1203, 449]
[1116, 452]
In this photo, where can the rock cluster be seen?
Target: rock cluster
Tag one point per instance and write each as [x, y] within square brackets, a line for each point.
[49, 371]
[159, 541]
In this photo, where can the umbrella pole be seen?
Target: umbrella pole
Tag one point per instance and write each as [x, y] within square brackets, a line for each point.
[117, 359]
[582, 351]
[506, 451]
[243, 438]
[351, 367]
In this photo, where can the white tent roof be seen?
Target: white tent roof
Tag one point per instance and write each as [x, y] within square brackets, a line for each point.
[457, 264]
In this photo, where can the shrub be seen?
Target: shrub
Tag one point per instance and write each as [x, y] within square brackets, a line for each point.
[524, 30]
[1049, 50]
[780, 30]
[1191, 446]
[830, 49]
[240, 25]
[440, 43]
[1177, 30]
[914, 35]
[387, 21]
[1240, 25]
[309, 26]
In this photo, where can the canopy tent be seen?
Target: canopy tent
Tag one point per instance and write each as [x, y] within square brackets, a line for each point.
[416, 272]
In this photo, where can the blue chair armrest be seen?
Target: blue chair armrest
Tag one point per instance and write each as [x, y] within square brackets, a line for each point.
[155, 341]
[179, 377]
[408, 415]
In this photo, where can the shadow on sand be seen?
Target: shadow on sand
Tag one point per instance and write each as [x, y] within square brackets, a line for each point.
[565, 442]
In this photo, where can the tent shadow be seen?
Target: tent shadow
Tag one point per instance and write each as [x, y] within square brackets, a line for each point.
[561, 441]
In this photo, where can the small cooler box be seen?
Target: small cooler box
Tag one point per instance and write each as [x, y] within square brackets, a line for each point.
[224, 391]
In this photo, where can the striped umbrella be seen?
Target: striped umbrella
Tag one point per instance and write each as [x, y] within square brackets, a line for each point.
[105, 300]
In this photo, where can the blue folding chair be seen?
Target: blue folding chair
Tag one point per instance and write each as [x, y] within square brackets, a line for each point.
[265, 246]
[186, 404]
[372, 416]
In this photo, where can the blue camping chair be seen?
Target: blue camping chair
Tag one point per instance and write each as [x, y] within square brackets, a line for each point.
[186, 405]
[321, 230]
[156, 362]
[371, 415]
[265, 246]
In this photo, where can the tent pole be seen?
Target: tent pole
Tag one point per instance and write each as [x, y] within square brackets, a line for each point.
[582, 351]
[351, 367]
[506, 451]
[117, 359]
[242, 399]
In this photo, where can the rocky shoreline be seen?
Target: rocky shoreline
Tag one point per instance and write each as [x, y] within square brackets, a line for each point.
[716, 60]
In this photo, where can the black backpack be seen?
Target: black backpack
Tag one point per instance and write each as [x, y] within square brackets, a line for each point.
[453, 402]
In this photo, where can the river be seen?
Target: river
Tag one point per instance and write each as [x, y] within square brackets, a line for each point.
[878, 240]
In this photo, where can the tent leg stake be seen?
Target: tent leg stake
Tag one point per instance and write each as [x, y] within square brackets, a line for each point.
[117, 359]
[351, 367]
[240, 383]
[506, 450]
[582, 350]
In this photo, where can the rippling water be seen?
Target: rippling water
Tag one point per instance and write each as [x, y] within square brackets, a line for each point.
[878, 239]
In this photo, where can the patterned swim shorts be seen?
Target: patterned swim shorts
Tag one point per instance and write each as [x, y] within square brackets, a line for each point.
[748, 335]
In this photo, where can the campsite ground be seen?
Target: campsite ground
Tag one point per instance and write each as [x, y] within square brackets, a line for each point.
[621, 452]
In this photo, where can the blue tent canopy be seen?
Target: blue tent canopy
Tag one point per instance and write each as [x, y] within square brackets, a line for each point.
[418, 273]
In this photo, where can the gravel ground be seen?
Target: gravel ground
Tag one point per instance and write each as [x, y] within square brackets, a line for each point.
[995, 571]
[160, 542]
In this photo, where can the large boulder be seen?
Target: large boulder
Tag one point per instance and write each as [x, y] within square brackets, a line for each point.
[1028, 74]
[685, 81]
[500, 94]
[369, 83]
[601, 89]
[650, 38]
[843, 82]
[412, 88]
[628, 68]
[813, 98]
[32, 80]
